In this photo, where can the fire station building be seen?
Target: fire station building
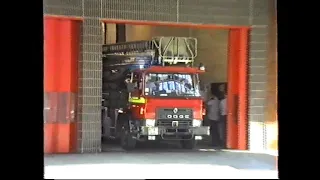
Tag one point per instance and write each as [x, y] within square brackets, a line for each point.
[75, 30]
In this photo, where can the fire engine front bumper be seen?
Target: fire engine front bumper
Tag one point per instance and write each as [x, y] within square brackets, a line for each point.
[155, 131]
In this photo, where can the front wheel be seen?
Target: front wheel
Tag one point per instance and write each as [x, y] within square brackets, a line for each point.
[128, 142]
[189, 144]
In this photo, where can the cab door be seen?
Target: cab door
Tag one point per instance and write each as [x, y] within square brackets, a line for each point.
[137, 102]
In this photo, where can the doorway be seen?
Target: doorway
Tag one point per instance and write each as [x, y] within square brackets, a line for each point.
[237, 78]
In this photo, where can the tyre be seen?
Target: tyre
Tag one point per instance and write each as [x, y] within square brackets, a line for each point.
[189, 144]
[128, 142]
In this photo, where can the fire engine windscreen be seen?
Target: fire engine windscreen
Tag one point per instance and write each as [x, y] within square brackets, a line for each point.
[171, 85]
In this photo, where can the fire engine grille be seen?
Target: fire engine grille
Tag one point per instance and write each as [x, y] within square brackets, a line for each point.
[168, 122]
[166, 116]
[175, 113]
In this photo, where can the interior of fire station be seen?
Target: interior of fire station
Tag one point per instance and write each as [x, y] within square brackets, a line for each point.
[217, 49]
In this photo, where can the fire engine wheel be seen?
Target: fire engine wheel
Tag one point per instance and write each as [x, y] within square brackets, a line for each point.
[189, 144]
[127, 140]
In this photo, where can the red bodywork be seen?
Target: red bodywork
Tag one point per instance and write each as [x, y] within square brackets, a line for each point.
[154, 103]
[147, 110]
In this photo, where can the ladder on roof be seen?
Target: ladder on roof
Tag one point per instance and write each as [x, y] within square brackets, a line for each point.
[170, 50]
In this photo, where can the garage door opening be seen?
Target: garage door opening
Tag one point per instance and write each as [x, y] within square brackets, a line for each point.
[223, 51]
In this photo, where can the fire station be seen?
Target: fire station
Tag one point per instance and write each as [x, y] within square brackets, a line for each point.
[236, 41]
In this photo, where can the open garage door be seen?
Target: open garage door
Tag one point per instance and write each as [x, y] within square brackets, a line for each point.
[237, 100]
[61, 57]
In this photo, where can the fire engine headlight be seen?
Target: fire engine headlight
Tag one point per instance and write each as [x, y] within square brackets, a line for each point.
[150, 122]
[196, 123]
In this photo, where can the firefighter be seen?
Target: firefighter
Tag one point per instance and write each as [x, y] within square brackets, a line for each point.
[221, 91]
[150, 84]
[213, 118]
[135, 92]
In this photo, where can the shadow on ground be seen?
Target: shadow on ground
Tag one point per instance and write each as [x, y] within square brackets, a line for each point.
[170, 153]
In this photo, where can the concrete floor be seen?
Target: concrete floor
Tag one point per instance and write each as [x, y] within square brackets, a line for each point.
[155, 162]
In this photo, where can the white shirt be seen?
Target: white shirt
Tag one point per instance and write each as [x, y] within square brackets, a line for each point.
[223, 107]
[213, 109]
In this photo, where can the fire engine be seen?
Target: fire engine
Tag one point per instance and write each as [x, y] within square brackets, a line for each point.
[151, 92]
